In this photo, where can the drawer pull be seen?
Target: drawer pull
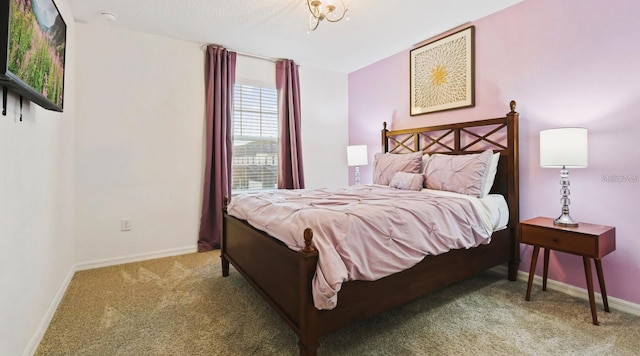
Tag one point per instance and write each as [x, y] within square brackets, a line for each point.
[555, 239]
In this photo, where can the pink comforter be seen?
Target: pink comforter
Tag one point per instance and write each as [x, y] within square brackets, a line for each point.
[363, 232]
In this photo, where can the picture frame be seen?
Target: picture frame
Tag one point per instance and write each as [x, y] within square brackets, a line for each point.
[442, 73]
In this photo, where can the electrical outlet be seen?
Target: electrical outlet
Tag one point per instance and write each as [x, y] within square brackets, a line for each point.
[125, 224]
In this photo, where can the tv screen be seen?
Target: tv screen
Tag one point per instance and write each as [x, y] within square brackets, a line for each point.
[32, 54]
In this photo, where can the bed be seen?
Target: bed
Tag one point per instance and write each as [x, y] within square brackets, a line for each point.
[284, 277]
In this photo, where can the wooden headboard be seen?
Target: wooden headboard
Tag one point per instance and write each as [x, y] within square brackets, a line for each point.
[499, 135]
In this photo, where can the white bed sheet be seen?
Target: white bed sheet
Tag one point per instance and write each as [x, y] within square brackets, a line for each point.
[494, 207]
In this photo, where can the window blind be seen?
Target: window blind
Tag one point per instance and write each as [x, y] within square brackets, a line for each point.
[255, 138]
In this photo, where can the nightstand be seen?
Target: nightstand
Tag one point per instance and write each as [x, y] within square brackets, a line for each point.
[586, 240]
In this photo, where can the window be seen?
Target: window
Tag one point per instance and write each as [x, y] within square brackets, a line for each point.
[255, 138]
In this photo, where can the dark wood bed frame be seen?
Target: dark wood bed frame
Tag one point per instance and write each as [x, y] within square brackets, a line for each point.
[284, 277]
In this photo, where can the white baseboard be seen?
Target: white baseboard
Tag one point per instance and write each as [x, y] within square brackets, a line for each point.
[614, 303]
[44, 324]
[135, 258]
[37, 337]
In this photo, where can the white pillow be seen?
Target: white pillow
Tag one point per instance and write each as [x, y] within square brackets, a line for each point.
[491, 174]
[425, 160]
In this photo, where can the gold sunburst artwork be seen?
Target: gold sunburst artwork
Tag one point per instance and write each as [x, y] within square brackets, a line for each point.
[442, 73]
[438, 75]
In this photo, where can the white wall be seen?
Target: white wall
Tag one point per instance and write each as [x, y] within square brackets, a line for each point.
[140, 139]
[139, 144]
[325, 127]
[36, 210]
[255, 71]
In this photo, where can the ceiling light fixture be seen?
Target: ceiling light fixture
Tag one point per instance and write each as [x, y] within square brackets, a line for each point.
[330, 10]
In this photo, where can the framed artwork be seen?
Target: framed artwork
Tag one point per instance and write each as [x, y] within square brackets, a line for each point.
[442, 73]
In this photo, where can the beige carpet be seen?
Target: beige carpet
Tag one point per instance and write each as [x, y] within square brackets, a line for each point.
[182, 306]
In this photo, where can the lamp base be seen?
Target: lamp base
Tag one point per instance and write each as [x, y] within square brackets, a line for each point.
[565, 220]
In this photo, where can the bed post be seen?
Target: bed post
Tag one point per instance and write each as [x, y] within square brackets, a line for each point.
[513, 192]
[385, 139]
[308, 332]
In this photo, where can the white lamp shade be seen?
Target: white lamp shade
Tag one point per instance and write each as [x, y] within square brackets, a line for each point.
[564, 147]
[357, 155]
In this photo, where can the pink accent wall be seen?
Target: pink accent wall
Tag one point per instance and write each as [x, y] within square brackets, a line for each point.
[566, 63]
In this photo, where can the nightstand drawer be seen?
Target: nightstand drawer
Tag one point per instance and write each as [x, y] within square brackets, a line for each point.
[560, 240]
[587, 240]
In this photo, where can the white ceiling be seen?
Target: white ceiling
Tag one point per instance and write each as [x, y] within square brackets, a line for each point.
[278, 28]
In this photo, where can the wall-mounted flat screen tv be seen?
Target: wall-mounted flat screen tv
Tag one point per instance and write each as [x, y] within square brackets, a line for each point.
[33, 39]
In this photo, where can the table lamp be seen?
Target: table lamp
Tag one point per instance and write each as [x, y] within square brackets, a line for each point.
[563, 148]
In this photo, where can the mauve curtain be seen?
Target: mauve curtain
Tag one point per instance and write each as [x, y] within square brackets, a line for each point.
[290, 172]
[220, 74]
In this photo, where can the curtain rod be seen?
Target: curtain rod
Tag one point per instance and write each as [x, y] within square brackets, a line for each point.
[257, 56]
[204, 48]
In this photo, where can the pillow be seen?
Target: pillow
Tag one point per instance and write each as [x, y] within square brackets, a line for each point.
[425, 160]
[465, 174]
[385, 165]
[407, 181]
[491, 174]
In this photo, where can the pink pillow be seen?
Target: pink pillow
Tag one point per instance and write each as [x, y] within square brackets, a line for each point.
[385, 165]
[407, 181]
[465, 174]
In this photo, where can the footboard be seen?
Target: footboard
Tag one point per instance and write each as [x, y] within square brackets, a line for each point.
[282, 276]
